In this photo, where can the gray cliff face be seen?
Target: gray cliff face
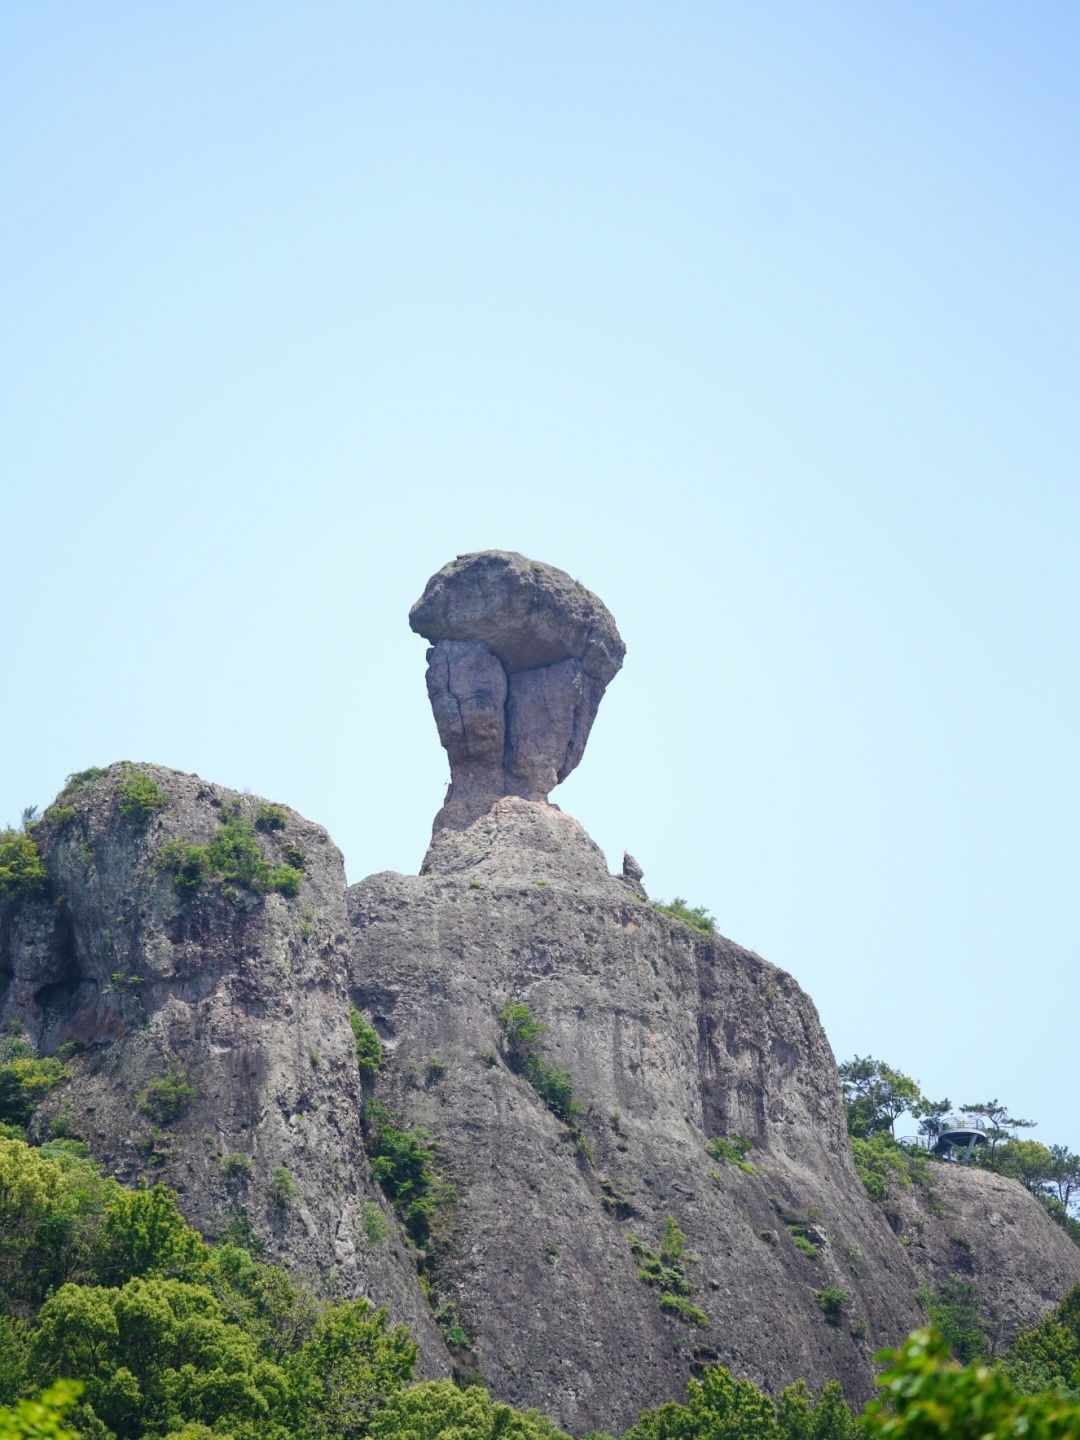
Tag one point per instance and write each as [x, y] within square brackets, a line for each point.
[521, 657]
[672, 1038]
[983, 1227]
[244, 996]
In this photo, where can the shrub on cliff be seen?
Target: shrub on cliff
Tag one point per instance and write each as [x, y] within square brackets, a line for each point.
[369, 1054]
[696, 916]
[140, 797]
[22, 871]
[166, 1098]
[232, 858]
[521, 1032]
[403, 1163]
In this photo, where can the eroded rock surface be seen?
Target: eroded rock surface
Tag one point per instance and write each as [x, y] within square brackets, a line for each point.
[520, 659]
[978, 1226]
[241, 995]
[672, 1038]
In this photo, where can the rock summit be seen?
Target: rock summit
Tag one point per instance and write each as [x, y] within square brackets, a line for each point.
[520, 658]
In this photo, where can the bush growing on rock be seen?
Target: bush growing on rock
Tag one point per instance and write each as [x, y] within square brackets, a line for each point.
[731, 1148]
[140, 797]
[696, 916]
[232, 858]
[81, 778]
[955, 1312]
[282, 1185]
[22, 870]
[403, 1163]
[369, 1054]
[166, 1098]
[235, 1166]
[521, 1031]
[833, 1302]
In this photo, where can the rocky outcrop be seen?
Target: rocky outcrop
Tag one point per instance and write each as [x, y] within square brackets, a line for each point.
[974, 1225]
[235, 990]
[672, 1039]
[678, 1085]
[520, 659]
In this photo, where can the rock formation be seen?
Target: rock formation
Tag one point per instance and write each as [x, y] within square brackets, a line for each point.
[242, 995]
[678, 1085]
[520, 659]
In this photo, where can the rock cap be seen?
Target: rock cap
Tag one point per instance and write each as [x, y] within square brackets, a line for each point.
[527, 613]
[520, 657]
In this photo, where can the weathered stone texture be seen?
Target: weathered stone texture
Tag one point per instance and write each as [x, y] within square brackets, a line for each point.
[672, 1038]
[987, 1228]
[520, 659]
[245, 996]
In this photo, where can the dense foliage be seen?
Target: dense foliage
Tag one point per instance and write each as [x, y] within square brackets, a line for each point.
[22, 870]
[555, 1087]
[233, 858]
[128, 1326]
[111, 1288]
[926, 1397]
[718, 1407]
[696, 916]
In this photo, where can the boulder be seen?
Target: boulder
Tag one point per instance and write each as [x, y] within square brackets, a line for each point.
[521, 655]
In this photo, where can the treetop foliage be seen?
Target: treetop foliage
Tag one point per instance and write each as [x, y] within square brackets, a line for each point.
[165, 1331]
[22, 870]
[162, 1336]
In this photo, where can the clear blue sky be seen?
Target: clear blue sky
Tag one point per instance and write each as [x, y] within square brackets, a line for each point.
[760, 319]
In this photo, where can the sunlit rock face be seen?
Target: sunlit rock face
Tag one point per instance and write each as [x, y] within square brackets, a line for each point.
[521, 656]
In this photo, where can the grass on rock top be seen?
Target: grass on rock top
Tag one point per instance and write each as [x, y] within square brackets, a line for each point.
[233, 857]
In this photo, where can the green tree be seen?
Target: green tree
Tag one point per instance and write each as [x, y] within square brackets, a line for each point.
[931, 1115]
[1028, 1161]
[1001, 1126]
[43, 1418]
[927, 1397]
[348, 1371]
[1066, 1175]
[143, 1232]
[153, 1353]
[876, 1095]
[438, 1410]
[22, 870]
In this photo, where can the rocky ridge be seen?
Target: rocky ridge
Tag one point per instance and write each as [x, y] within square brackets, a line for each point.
[209, 937]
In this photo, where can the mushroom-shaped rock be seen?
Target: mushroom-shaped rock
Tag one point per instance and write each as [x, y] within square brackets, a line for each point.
[521, 655]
